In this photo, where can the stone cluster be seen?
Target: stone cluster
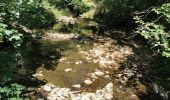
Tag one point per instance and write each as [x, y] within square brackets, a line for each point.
[57, 93]
[59, 36]
[106, 54]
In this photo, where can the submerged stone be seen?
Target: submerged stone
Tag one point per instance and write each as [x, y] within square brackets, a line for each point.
[88, 81]
[99, 73]
[47, 88]
[77, 86]
[68, 70]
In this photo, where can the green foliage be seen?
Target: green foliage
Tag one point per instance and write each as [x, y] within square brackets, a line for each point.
[164, 10]
[60, 3]
[156, 36]
[33, 15]
[10, 36]
[9, 59]
[79, 6]
[155, 31]
[29, 13]
[116, 11]
[11, 91]
[76, 6]
[54, 10]
[36, 17]
[120, 12]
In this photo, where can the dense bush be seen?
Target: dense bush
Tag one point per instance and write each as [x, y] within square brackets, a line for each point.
[9, 59]
[29, 13]
[120, 12]
[11, 91]
[36, 17]
[14, 15]
[10, 35]
[60, 3]
[78, 6]
[75, 6]
[155, 30]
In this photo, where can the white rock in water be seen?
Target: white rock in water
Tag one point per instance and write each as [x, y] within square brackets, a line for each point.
[109, 87]
[78, 62]
[39, 74]
[68, 70]
[52, 97]
[88, 81]
[98, 51]
[62, 59]
[107, 72]
[108, 96]
[60, 92]
[85, 97]
[53, 91]
[40, 99]
[93, 75]
[95, 61]
[77, 86]
[119, 75]
[107, 76]
[99, 73]
[88, 58]
[47, 88]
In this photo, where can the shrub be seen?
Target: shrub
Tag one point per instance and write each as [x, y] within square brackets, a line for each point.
[36, 17]
[79, 6]
[120, 12]
[29, 13]
[75, 6]
[11, 91]
[33, 15]
[10, 35]
[155, 31]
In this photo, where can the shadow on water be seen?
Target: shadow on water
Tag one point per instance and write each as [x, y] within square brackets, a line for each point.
[21, 64]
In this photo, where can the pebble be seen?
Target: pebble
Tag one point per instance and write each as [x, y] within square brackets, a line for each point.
[93, 75]
[68, 70]
[107, 72]
[78, 62]
[99, 73]
[38, 74]
[53, 91]
[108, 96]
[85, 97]
[62, 59]
[119, 75]
[107, 76]
[77, 86]
[88, 81]
[52, 97]
[109, 87]
[47, 88]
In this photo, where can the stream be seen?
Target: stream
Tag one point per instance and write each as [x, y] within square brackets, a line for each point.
[71, 62]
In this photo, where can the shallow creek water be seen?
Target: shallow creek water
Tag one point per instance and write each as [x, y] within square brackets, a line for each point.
[62, 64]
[70, 59]
[55, 57]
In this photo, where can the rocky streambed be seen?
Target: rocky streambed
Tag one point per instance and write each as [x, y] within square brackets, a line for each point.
[86, 67]
[85, 70]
